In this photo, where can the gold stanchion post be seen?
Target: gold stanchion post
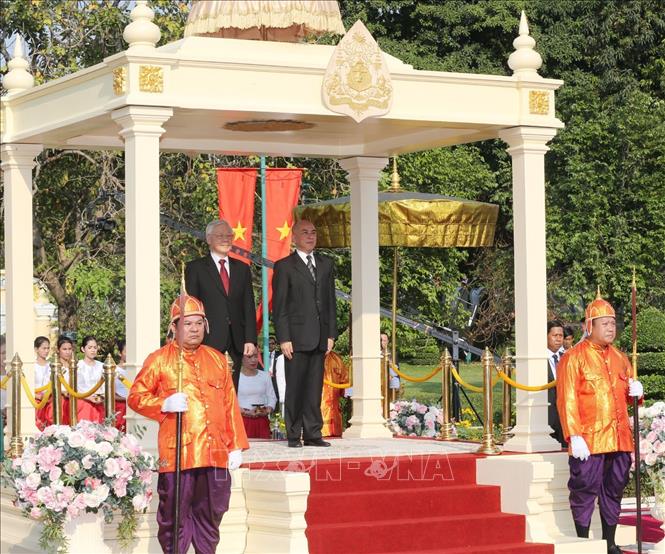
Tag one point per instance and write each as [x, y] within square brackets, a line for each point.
[73, 383]
[56, 395]
[109, 386]
[488, 445]
[506, 419]
[16, 442]
[385, 381]
[446, 426]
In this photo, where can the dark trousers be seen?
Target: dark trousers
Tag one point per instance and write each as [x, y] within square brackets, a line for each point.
[601, 476]
[204, 498]
[304, 384]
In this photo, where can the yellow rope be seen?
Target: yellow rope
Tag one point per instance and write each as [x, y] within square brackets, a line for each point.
[3, 383]
[515, 384]
[75, 394]
[337, 385]
[46, 387]
[462, 382]
[126, 382]
[416, 379]
[33, 401]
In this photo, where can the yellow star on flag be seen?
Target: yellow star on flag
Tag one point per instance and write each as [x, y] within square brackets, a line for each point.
[239, 232]
[284, 230]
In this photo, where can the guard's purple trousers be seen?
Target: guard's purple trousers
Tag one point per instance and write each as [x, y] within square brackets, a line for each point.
[601, 476]
[204, 497]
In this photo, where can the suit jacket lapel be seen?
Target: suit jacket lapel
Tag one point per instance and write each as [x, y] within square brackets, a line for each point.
[302, 267]
[213, 271]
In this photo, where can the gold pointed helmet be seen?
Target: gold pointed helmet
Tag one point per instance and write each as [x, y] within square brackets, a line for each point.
[598, 308]
[191, 306]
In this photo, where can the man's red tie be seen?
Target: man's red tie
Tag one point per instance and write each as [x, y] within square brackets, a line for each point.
[224, 275]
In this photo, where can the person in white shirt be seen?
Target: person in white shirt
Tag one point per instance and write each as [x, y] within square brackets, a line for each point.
[276, 370]
[44, 415]
[89, 372]
[555, 351]
[256, 397]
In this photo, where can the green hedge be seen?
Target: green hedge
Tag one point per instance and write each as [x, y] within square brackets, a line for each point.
[654, 388]
[650, 331]
[650, 363]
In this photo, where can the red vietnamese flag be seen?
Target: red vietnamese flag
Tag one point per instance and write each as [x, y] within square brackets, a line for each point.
[235, 193]
[282, 193]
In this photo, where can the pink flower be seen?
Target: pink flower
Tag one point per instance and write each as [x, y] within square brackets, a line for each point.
[72, 468]
[91, 482]
[651, 436]
[46, 496]
[650, 459]
[111, 467]
[146, 477]
[131, 444]
[120, 488]
[48, 457]
[126, 469]
[422, 409]
[110, 433]
[55, 474]
[27, 464]
[33, 481]
[87, 461]
[104, 448]
[35, 513]
[140, 502]
[645, 448]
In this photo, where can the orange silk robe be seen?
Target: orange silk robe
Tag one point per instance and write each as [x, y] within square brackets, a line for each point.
[592, 397]
[212, 426]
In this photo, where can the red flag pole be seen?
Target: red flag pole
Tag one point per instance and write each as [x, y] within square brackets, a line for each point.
[636, 420]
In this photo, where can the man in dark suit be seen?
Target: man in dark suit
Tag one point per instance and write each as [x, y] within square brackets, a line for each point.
[305, 320]
[224, 285]
[554, 352]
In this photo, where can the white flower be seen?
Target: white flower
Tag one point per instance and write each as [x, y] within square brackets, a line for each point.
[139, 502]
[71, 468]
[87, 461]
[28, 465]
[76, 439]
[104, 448]
[95, 498]
[33, 480]
[111, 467]
[90, 444]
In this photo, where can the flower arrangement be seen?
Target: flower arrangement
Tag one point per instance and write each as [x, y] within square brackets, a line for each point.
[66, 471]
[652, 447]
[413, 419]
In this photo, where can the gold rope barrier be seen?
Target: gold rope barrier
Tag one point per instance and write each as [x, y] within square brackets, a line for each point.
[415, 379]
[466, 385]
[126, 382]
[43, 389]
[75, 394]
[515, 384]
[3, 383]
[37, 405]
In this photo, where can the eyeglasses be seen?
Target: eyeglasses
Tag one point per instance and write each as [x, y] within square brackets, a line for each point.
[222, 236]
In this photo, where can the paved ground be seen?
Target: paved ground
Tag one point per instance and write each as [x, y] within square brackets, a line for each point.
[267, 451]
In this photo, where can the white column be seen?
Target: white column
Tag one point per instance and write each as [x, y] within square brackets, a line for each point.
[141, 127]
[367, 420]
[18, 160]
[527, 148]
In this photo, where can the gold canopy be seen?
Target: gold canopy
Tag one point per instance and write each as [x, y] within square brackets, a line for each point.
[276, 20]
[410, 219]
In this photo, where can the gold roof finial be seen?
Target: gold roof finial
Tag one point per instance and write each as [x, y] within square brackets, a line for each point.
[634, 280]
[394, 178]
[598, 296]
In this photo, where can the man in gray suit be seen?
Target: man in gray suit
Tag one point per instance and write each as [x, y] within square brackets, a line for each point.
[305, 320]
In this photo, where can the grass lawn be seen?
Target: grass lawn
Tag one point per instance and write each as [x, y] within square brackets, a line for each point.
[429, 392]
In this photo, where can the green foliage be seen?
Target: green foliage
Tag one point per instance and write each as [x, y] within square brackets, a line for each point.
[651, 330]
[654, 388]
[651, 363]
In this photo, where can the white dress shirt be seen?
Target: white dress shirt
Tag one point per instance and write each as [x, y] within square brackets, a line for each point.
[88, 376]
[303, 257]
[42, 374]
[256, 390]
[551, 356]
[217, 259]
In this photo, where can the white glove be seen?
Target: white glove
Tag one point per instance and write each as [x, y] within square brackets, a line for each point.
[177, 402]
[635, 388]
[235, 459]
[579, 448]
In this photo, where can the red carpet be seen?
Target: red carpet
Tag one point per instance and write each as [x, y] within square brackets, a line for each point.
[414, 505]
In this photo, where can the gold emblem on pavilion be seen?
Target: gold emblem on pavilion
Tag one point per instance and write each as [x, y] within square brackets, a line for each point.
[539, 102]
[151, 78]
[119, 80]
[357, 81]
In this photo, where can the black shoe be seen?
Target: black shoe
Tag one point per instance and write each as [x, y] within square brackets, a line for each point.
[316, 442]
[614, 549]
[294, 443]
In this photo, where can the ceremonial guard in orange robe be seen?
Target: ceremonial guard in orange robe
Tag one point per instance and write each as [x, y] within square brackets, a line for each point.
[213, 435]
[593, 386]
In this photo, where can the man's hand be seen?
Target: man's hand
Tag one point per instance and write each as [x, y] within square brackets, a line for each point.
[249, 349]
[287, 349]
[579, 448]
[331, 343]
[177, 402]
[635, 388]
[235, 459]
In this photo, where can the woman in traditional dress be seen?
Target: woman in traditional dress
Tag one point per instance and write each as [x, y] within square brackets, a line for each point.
[256, 397]
[44, 415]
[89, 372]
[120, 388]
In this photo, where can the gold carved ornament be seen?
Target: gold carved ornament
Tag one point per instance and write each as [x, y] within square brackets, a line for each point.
[539, 102]
[151, 78]
[119, 80]
[357, 77]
